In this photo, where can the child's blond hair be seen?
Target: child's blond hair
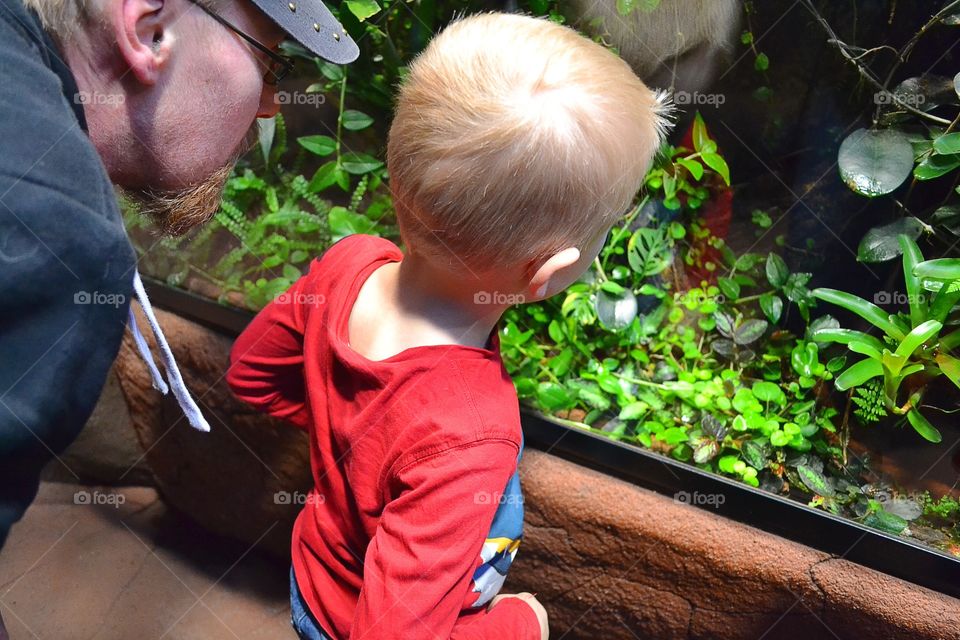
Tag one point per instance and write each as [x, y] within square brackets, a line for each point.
[515, 137]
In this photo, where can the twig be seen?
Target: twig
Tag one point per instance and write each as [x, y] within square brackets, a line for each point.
[842, 48]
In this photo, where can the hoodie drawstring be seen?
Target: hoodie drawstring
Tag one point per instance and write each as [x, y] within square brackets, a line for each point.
[180, 392]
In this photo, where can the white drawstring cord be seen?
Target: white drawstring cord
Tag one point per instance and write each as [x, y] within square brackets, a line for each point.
[180, 392]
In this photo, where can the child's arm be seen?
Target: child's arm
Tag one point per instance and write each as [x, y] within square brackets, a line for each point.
[418, 569]
[266, 362]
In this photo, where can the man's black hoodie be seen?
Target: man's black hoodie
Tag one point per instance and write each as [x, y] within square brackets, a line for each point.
[66, 265]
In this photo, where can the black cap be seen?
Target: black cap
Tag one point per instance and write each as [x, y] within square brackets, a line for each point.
[310, 23]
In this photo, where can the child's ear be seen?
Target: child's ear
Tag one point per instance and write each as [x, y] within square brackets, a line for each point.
[543, 283]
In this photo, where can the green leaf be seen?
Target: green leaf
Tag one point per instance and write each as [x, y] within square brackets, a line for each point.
[845, 336]
[612, 287]
[593, 396]
[615, 311]
[857, 374]
[947, 144]
[359, 163]
[553, 397]
[936, 166]
[940, 269]
[777, 272]
[755, 453]
[705, 450]
[729, 287]
[363, 9]
[920, 334]
[330, 71]
[749, 331]
[291, 273]
[915, 296]
[327, 175]
[560, 363]
[694, 167]
[950, 367]
[772, 307]
[634, 411]
[344, 223]
[356, 120]
[922, 426]
[866, 350]
[866, 310]
[769, 392]
[724, 324]
[950, 341]
[319, 145]
[875, 162]
[815, 481]
[648, 251]
[700, 135]
[744, 402]
[882, 243]
[716, 162]
[727, 464]
[885, 521]
[761, 62]
[804, 357]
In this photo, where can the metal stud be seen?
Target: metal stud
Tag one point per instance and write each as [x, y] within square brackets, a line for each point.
[336, 36]
[293, 7]
[316, 27]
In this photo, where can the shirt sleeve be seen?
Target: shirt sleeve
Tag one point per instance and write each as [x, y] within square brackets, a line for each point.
[419, 566]
[266, 361]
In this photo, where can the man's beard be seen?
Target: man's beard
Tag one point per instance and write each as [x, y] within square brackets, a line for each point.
[176, 212]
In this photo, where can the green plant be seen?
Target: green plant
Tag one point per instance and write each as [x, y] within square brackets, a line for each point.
[697, 373]
[911, 347]
[912, 135]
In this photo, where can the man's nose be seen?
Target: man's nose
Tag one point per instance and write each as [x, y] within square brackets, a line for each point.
[269, 105]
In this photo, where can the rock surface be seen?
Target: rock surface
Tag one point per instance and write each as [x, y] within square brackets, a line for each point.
[107, 450]
[243, 478]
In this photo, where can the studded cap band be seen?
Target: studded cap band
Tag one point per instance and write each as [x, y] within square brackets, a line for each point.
[310, 23]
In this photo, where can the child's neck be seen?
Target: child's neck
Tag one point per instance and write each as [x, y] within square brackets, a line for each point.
[412, 303]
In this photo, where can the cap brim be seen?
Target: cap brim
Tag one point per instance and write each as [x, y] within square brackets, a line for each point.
[310, 23]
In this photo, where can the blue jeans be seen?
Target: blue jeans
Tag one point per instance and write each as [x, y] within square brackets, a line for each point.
[303, 622]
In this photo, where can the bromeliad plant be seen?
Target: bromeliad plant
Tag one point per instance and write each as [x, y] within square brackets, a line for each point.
[913, 348]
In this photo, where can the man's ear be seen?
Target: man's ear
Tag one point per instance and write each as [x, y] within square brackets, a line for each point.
[139, 27]
[539, 285]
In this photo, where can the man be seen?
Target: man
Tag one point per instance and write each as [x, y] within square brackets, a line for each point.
[154, 96]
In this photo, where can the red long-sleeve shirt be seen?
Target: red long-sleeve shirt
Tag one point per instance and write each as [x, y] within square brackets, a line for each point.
[416, 512]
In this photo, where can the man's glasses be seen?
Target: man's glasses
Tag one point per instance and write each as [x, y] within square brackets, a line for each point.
[280, 66]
